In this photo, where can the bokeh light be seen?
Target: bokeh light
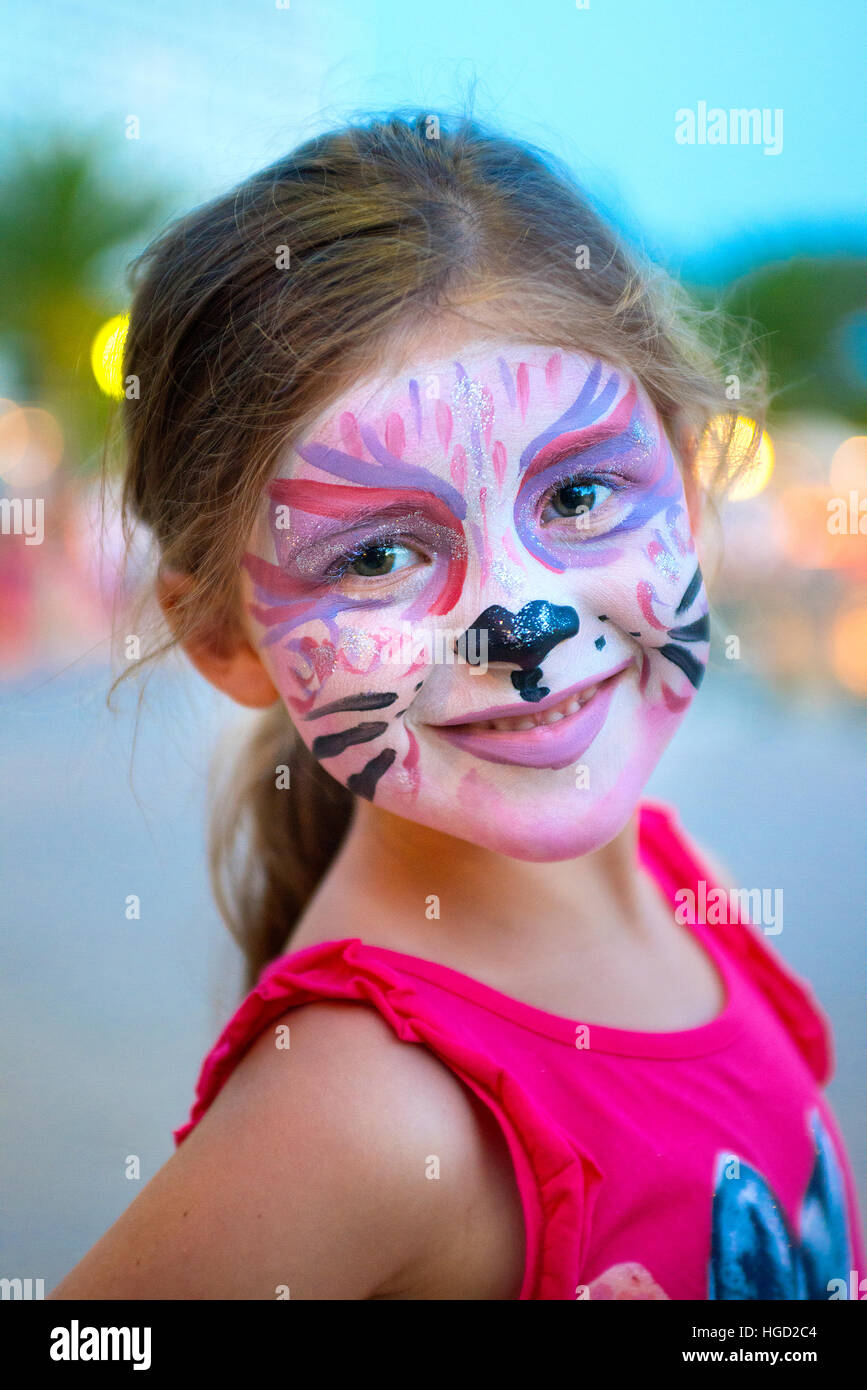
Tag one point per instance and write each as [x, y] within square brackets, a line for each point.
[106, 355]
[751, 478]
[849, 648]
[14, 435]
[848, 471]
[31, 444]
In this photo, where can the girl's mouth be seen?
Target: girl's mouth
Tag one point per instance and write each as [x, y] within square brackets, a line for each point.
[551, 737]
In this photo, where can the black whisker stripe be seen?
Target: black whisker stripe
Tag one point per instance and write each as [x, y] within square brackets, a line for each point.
[692, 669]
[699, 631]
[355, 703]
[363, 783]
[329, 745]
[690, 592]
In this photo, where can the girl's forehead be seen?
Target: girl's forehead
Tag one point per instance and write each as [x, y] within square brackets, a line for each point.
[482, 385]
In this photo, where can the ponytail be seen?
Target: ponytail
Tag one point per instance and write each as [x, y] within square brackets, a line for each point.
[278, 821]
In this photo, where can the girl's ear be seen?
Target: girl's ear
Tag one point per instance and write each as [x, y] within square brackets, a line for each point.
[238, 671]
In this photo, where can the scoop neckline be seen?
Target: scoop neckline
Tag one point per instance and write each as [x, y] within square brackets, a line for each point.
[687, 1042]
[682, 1043]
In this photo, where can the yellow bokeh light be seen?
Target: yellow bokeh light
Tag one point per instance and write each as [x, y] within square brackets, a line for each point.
[849, 649]
[106, 355]
[753, 478]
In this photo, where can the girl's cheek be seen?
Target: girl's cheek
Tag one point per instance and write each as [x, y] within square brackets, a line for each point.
[320, 663]
[347, 689]
[652, 596]
[671, 614]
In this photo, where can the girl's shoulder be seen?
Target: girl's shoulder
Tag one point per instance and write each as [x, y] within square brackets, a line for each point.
[383, 1148]
[309, 1177]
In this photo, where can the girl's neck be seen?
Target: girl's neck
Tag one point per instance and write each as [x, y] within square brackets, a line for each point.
[402, 885]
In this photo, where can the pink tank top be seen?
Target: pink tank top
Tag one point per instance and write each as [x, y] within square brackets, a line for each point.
[703, 1164]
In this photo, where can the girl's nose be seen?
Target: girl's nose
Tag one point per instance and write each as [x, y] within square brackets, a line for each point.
[522, 639]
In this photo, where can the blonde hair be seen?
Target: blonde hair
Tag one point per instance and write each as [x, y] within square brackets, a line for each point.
[387, 223]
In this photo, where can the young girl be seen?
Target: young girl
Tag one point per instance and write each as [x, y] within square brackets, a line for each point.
[417, 442]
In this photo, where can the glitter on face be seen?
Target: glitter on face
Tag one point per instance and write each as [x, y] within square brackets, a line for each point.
[473, 407]
[359, 646]
[643, 437]
[506, 575]
[662, 557]
[473, 410]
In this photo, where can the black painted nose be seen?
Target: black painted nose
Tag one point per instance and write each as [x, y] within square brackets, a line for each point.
[522, 639]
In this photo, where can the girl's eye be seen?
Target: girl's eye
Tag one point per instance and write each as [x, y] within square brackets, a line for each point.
[575, 497]
[378, 559]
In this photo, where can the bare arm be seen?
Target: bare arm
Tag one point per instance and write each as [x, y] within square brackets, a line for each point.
[307, 1173]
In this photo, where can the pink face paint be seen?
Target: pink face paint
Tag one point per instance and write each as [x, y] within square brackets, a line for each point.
[410, 762]
[512, 552]
[395, 434]
[498, 455]
[322, 657]
[676, 703]
[349, 434]
[646, 596]
[522, 388]
[444, 425]
[553, 371]
[521, 443]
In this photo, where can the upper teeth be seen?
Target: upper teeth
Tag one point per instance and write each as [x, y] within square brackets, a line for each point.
[547, 716]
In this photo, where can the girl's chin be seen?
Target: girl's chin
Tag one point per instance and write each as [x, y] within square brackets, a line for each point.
[565, 823]
[534, 814]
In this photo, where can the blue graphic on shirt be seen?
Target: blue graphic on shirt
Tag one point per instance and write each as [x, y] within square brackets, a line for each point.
[754, 1252]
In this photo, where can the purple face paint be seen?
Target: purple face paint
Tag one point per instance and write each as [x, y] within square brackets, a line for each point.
[536, 501]
[597, 443]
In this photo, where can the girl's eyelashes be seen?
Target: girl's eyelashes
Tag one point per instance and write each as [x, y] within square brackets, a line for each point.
[383, 559]
[576, 497]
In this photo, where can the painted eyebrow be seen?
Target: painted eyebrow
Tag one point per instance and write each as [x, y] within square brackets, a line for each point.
[400, 475]
[360, 504]
[570, 442]
[345, 503]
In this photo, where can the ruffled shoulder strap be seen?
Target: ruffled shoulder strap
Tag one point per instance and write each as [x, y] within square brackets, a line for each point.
[557, 1181]
[676, 863]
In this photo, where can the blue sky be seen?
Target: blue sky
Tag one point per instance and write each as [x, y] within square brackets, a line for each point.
[221, 87]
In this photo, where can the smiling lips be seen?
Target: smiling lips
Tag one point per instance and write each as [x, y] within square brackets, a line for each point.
[553, 736]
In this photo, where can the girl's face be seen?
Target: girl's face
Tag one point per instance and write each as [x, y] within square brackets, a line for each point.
[477, 592]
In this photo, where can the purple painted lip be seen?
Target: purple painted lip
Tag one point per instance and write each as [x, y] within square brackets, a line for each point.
[546, 745]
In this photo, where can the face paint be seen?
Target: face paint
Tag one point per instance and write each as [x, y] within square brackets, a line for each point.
[535, 505]
[523, 639]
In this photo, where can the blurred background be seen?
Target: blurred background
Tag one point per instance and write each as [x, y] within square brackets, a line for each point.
[114, 123]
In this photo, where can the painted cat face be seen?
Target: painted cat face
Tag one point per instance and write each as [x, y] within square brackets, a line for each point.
[477, 592]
